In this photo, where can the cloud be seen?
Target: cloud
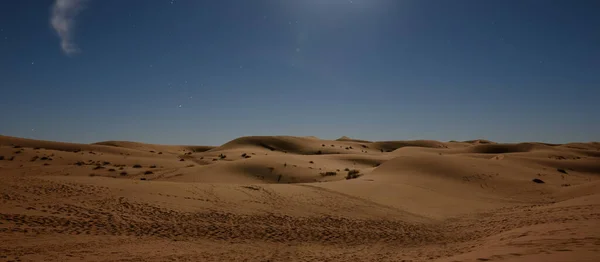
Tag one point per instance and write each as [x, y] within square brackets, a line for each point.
[62, 21]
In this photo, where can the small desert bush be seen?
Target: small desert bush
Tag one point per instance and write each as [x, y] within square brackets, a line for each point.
[112, 170]
[221, 156]
[153, 166]
[312, 162]
[1, 157]
[123, 173]
[98, 167]
[137, 166]
[353, 174]
[537, 180]
[329, 174]
[148, 172]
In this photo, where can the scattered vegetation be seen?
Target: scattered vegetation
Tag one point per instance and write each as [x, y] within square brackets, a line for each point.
[329, 174]
[34, 158]
[561, 170]
[189, 166]
[46, 164]
[221, 156]
[323, 145]
[143, 178]
[98, 167]
[565, 185]
[1, 157]
[346, 169]
[79, 163]
[319, 152]
[214, 159]
[160, 153]
[112, 170]
[152, 151]
[11, 158]
[18, 152]
[312, 162]
[105, 163]
[148, 172]
[353, 174]
[137, 166]
[123, 173]
[16, 146]
[44, 158]
[537, 180]
[181, 159]
[153, 166]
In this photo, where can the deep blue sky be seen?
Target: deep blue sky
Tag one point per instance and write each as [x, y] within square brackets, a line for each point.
[506, 71]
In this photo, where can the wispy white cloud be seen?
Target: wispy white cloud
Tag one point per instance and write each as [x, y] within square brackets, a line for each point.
[62, 21]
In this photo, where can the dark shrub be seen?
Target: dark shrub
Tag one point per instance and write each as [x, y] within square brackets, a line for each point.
[537, 180]
[353, 174]
[329, 174]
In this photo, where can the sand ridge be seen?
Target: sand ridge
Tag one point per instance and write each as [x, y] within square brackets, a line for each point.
[283, 198]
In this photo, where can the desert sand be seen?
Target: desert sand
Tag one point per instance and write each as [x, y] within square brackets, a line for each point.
[280, 198]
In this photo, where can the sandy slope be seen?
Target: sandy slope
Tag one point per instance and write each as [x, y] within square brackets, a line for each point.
[271, 199]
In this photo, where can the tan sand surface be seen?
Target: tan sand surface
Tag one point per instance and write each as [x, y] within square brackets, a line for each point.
[283, 198]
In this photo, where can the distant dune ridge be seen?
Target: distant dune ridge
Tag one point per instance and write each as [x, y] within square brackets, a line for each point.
[285, 198]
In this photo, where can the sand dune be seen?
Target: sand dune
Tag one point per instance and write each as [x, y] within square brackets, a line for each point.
[283, 198]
